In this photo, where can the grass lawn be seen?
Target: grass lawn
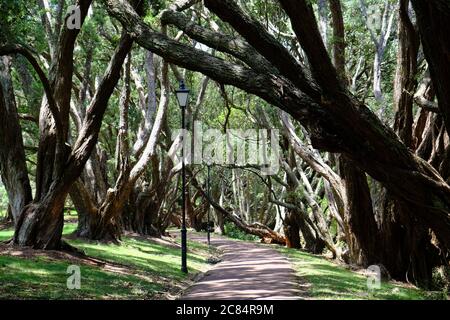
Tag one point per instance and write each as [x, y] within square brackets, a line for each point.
[327, 280]
[137, 269]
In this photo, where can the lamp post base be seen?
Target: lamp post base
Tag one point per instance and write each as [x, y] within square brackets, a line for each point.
[183, 251]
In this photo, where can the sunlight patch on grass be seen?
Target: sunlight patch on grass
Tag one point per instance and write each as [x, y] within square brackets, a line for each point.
[8, 233]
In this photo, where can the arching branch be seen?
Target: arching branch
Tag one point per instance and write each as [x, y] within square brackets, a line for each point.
[19, 49]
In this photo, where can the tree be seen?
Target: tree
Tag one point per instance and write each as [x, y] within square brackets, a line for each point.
[40, 223]
[336, 121]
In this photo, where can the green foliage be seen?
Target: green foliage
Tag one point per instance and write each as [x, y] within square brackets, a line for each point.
[234, 232]
[331, 281]
[441, 279]
[3, 201]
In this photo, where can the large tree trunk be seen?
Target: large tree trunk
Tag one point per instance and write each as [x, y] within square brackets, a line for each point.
[84, 205]
[407, 251]
[360, 227]
[291, 228]
[363, 238]
[13, 169]
[41, 222]
[433, 19]
[106, 224]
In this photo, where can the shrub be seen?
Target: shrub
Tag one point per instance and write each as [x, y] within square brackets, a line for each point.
[234, 232]
[441, 278]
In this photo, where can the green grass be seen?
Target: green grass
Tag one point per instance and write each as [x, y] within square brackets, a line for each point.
[43, 277]
[146, 256]
[330, 281]
[8, 233]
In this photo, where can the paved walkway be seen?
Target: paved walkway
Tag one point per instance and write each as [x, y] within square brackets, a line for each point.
[247, 271]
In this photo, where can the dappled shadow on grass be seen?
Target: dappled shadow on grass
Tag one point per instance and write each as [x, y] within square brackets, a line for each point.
[331, 281]
[136, 269]
[143, 255]
[44, 279]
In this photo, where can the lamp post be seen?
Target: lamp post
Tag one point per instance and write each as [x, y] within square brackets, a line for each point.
[209, 206]
[182, 97]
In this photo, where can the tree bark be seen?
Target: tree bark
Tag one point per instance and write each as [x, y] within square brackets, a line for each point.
[360, 227]
[41, 222]
[13, 169]
[405, 79]
[433, 19]
[291, 228]
[339, 44]
[364, 244]
[106, 224]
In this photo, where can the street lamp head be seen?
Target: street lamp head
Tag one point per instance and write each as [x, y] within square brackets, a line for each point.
[182, 95]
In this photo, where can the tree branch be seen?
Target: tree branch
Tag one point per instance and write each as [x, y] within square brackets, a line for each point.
[88, 135]
[235, 46]
[19, 49]
[263, 42]
[305, 27]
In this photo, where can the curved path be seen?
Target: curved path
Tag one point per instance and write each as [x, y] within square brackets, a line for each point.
[246, 271]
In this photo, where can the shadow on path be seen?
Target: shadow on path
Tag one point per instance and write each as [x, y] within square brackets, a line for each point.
[247, 271]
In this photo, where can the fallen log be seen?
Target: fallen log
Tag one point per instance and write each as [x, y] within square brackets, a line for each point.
[266, 234]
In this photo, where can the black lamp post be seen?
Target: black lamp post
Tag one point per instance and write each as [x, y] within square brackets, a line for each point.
[209, 207]
[182, 97]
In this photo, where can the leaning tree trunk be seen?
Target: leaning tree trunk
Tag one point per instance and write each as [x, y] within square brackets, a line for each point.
[291, 224]
[313, 243]
[265, 233]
